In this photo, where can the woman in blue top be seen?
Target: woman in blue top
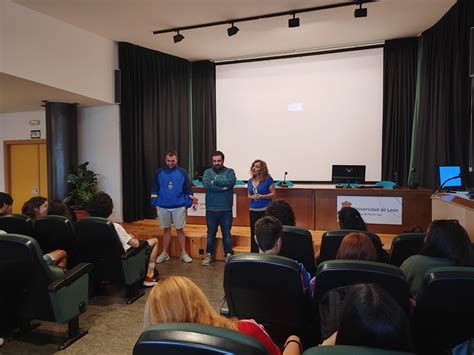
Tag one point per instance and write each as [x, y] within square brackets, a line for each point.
[261, 190]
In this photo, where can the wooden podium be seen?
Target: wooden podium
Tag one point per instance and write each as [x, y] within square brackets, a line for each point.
[450, 206]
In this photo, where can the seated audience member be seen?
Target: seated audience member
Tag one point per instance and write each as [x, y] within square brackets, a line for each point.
[268, 233]
[281, 210]
[446, 244]
[350, 218]
[6, 202]
[57, 207]
[357, 246]
[354, 246]
[101, 205]
[371, 317]
[178, 299]
[37, 207]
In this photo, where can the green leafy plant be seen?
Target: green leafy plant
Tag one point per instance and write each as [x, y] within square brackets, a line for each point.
[84, 183]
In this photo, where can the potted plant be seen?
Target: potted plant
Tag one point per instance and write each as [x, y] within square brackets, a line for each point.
[84, 182]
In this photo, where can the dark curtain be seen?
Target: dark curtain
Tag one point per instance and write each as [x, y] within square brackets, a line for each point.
[203, 112]
[443, 130]
[154, 117]
[399, 89]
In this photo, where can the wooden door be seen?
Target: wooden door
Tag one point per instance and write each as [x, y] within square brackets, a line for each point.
[25, 171]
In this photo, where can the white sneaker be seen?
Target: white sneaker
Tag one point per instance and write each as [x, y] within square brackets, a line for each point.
[185, 257]
[208, 260]
[162, 257]
[227, 257]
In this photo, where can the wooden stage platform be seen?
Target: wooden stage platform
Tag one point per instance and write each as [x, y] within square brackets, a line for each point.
[196, 238]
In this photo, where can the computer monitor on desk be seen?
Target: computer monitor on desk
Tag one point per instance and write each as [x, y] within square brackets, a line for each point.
[348, 174]
[450, 172]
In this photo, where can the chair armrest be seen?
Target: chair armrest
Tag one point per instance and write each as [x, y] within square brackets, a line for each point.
[224, 311]
[135, 251]
[70, 277]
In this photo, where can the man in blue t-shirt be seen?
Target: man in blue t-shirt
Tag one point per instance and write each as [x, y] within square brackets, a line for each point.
[219, 184]
[172, 194]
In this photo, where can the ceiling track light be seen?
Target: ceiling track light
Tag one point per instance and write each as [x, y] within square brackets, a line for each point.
[360, 12]
[178, 37]
[294, 22]
[232, 30]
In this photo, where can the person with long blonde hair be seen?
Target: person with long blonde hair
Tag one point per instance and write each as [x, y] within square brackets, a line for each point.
[261, 190]
[178, 299]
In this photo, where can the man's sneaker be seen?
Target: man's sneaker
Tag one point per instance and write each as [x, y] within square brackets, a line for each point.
[162, 257]
[150, 281]
[185, 257]
[227, 257]
[208, 260]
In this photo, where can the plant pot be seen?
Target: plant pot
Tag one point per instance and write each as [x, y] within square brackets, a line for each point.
[80, 214]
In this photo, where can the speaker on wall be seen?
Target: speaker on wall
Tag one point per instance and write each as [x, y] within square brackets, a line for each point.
[471, 52]
[118, 87]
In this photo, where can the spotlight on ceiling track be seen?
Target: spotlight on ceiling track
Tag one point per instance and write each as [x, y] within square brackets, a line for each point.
[294, 22]
[178, 37]
[232, 30]
[360, 12]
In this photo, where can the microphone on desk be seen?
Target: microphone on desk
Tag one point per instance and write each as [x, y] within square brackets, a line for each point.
[395, 175]
[444, 183]
[413, 184]
[283, 183]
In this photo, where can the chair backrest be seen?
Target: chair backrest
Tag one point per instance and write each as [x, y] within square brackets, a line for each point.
[98, 244]
[331, 241]
[405, 245]
[56, 232]
[444, 312]
[297, 244]
[351, 350]
[337, 273]
[24, 276]
[268, 289]
[188, 338]
[17, 224]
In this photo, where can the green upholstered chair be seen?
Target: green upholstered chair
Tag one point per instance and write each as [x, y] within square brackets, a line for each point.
[17, 224]
[33, 290]
[297, 244]
[444, 312]
[350, 350]
[405, 245]
[188, 338]
[98, 244]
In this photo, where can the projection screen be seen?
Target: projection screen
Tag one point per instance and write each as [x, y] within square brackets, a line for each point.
[303, 114]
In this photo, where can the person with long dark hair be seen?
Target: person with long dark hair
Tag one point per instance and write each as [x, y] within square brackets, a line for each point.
[281, 210]
[350, 218]
[260, 191]
[446, 244]
[371, 317]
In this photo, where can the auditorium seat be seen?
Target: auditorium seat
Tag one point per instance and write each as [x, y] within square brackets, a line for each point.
[444, 312]
[269, 289]
[33, 290]
[405, 245]
[351, 350]
[99, 244]
[57, 232]
[336, 273]
[331, 241]
[17, 224]
[297, 244]
[191, 339]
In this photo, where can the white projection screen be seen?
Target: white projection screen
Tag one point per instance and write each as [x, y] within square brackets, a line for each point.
[303, 114]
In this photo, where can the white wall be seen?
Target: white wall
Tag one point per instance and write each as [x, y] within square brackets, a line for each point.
[99, 144]
[15, 126]
[43, 49]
